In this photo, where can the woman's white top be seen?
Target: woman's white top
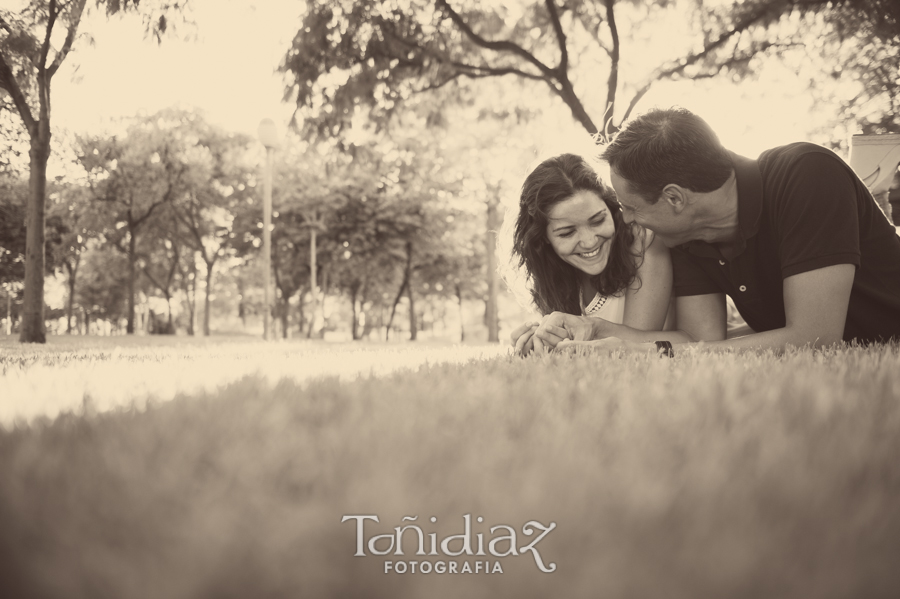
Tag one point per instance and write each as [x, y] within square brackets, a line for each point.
[607, 307]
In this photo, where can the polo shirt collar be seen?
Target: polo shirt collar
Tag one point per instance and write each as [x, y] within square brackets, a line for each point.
[750, 196]
[750, 206]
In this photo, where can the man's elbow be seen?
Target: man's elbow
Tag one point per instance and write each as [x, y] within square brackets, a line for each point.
[818, 337]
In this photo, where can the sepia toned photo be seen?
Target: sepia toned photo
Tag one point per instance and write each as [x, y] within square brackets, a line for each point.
[449, 298]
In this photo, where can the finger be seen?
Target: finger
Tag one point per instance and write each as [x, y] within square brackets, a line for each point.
[538, 344]
[566, 346]
[582, 334]
[522, 343]
[547, 338]
[560, 332]
[519, 331]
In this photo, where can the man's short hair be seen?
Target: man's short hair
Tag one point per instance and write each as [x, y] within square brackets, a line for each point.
[665, 146]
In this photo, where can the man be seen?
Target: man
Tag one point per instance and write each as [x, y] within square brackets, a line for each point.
[793, 237]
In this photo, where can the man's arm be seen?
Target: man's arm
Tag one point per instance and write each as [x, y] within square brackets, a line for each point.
[699, 317]
[815, 305]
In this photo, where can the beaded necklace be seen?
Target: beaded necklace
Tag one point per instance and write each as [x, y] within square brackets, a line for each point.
[595, 305]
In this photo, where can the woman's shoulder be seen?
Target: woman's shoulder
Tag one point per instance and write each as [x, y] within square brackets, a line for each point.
[643, 239]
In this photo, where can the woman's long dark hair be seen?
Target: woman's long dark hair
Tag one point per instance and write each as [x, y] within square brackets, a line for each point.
[555, 283]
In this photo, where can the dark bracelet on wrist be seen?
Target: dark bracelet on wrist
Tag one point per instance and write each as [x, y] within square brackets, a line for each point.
[664, 348]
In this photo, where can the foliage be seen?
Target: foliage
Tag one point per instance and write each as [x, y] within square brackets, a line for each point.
[856, 49]
[13, 196]
[103, 288]
[378, 54]
[13, 199]
[176, 174]
[29, 59]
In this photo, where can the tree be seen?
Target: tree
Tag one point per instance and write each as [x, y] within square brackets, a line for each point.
[853, 68]
[130, 179]
[103, 288]
[74, 224]
[215, 190]
[161, 259]
[380, 53]
[13, 198]
[28, 63]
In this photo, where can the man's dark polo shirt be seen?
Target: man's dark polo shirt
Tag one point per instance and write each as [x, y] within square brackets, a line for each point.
[800, 208]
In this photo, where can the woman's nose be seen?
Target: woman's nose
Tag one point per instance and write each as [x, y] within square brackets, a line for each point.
[588, 237]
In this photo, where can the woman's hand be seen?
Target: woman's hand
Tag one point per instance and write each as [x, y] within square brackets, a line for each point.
[522, 338]
[559, 326]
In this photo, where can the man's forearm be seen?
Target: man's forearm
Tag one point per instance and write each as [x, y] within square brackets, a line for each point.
[776, 340]
[603, 329]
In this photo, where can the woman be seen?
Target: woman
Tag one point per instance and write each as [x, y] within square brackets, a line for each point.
[581, 257]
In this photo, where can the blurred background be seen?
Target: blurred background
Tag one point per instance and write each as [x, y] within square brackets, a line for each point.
[399, 134]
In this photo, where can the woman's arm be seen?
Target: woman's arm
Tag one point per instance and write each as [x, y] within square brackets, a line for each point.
[647, 298]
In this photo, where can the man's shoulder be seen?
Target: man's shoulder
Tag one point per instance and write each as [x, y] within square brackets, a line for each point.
[787, 155]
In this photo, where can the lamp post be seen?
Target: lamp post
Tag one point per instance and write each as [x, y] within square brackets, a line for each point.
[269, 138]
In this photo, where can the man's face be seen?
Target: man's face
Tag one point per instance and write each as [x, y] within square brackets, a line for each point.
[661, 217]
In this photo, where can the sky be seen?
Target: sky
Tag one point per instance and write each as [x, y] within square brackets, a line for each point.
[226, 66]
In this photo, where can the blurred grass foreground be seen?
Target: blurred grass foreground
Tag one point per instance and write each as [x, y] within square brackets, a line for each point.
[225, 470]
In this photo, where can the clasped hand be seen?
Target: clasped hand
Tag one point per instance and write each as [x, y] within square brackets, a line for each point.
[553, 329]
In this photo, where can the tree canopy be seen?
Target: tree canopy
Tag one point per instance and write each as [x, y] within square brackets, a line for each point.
[593, 55]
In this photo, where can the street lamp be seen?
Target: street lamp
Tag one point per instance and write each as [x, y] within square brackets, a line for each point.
[269, 138]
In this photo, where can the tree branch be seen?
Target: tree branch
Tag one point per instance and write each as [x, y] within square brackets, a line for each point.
[560, 36]
[9, 83]
[501, 46]
[77, 11]
[612, 82]
[484, 71]
[45, 46]
[5, 25]
[665, 73]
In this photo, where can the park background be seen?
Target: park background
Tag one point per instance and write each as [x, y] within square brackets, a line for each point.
[402, 151]
[216, 464]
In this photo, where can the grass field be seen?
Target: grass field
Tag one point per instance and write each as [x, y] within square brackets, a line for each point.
[703, 476]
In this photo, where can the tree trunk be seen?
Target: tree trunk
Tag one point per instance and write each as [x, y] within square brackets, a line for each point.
[462, 324]
[132, 277]
[406, 272]
[285, 315]
[354, 322]
[190, 289]
[32, 328]
[70, 304]
[413, 328]
[170, 326]
[312, 313]
[209, 278]
[491, 308]
[9, 312]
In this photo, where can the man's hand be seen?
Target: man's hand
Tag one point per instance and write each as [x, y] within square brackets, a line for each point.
[604, 347]
[558, 326]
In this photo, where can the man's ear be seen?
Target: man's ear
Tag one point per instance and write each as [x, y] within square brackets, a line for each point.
[676, 196]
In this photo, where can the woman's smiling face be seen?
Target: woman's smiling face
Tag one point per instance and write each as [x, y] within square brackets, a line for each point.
[580, 230]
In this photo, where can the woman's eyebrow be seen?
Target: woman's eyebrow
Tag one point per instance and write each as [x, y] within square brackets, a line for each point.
[595, 215]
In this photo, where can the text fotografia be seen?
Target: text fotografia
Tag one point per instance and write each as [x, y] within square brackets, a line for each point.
[503, 542]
